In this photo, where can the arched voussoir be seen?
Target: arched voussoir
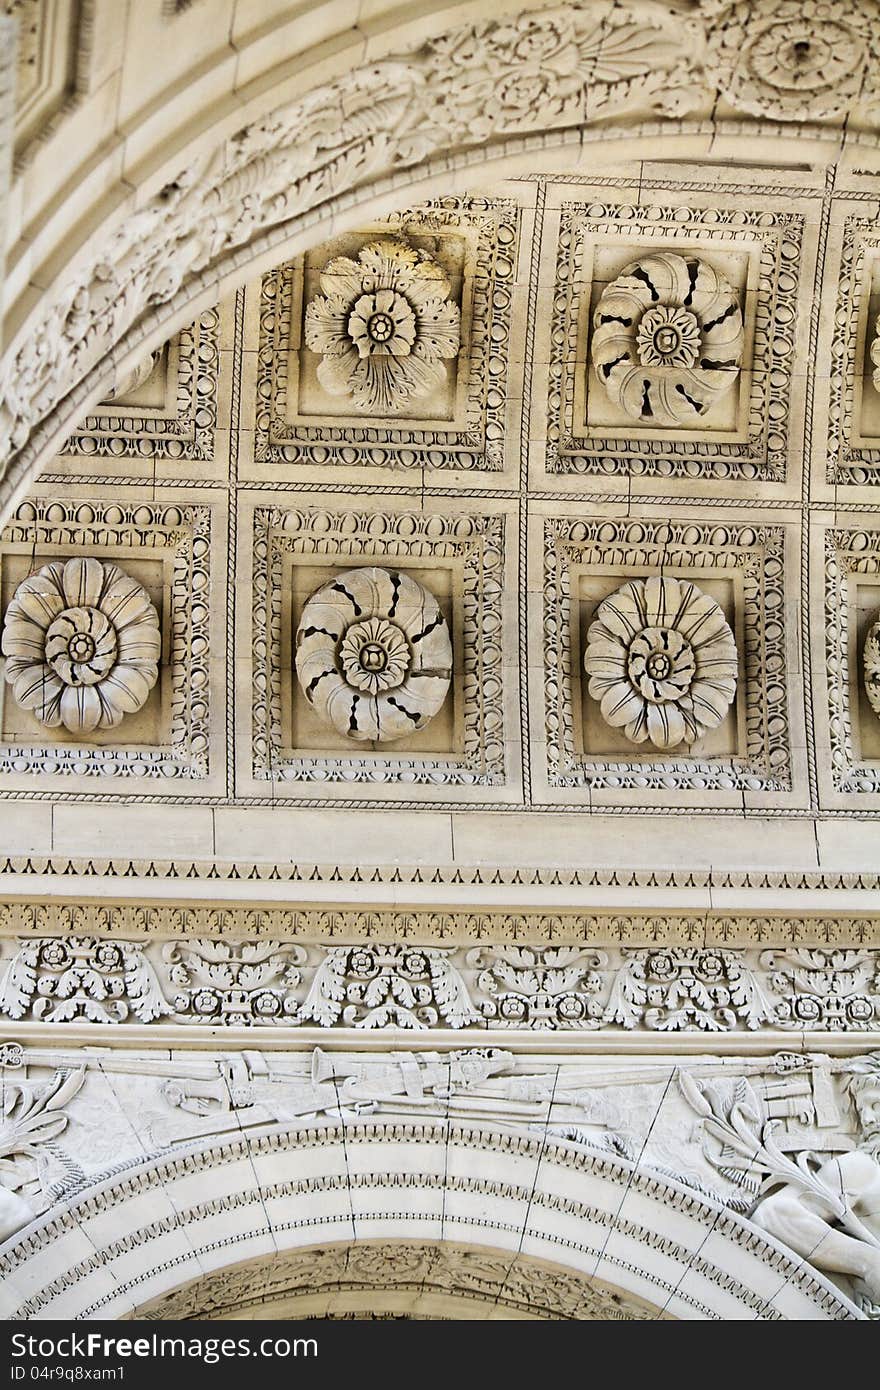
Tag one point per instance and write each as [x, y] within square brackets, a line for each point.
[564, 1231]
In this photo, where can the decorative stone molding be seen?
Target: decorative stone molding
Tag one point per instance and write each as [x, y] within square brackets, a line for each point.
[374, 1268]
[169, 546]
[852, 447]
[875, 354]
[469, 545]
[383, 326]
[763, 247]
[82, 645]
[180, 430]
[871, 664]
[796, 60]
[373, 654]
[238, 983]
[483, 235]
[852, 570]
[667, 338]
[661, 658]
[755, 554]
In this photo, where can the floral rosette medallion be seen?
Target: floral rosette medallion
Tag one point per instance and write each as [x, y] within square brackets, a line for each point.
[82, 645]
[383, 326]
[871, 665]
[374, 655]
[667, 339]
[661, 660]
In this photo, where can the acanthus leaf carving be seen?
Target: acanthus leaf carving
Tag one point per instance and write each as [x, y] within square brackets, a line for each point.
[382, 986]
[549, 987]
[59, 979]
[687, 988]
[234, 983]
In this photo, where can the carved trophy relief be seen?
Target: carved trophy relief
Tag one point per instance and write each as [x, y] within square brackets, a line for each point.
[82, 645]
[374, 654]
[384, 326]
[662, 661]
[667, 339]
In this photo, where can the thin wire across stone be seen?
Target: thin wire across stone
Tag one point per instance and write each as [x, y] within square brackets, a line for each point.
[374, 655]
[82, 645]
[661, 660]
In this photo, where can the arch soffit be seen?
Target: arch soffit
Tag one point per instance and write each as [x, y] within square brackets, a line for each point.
[142, 1236]
[361, 137]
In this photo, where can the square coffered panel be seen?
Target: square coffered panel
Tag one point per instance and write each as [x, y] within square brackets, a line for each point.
[448, 271]
[461, 563]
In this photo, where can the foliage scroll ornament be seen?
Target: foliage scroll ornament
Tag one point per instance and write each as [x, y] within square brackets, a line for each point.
[667, 338]
[63, 979]
[383, 326]
[373, 654]
[387, 986]
[82, 645]
[871, 661]
[662, 661]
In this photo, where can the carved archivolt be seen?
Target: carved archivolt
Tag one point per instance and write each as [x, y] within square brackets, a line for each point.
[662, 660]
[383, 326]
[374, 655]
[667, 338]
[82, 645]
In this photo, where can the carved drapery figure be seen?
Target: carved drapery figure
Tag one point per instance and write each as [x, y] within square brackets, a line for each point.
[662, 661]
[383, 326]
[374, 655]
[82, 645]
[667, 339]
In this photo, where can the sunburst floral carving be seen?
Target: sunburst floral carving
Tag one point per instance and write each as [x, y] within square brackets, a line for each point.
[384, 326]
[82, 645]
[662, 661]
[667, 339]
[374, 655]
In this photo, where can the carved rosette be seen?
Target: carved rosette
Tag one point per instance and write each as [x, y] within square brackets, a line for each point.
[667, 338]
[871, 664]
[374, 655]
[383, 326]
[661, 659]
[82, 645]
[794, 60]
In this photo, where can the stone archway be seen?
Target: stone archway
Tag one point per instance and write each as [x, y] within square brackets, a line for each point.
[202, 1212]
[536, 89]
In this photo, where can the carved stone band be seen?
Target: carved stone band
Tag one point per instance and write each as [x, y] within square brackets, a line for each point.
[374, 656]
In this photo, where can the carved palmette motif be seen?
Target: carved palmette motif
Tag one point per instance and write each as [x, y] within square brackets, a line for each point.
[667, 339]
[373, 654]
[382, 986]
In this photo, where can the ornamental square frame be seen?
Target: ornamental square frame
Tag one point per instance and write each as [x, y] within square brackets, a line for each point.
[849, 551]
[850, 463]
[603, 452]
[477, 543]
[189, 435]
[398, 444]
[181, 536]
[753, 553]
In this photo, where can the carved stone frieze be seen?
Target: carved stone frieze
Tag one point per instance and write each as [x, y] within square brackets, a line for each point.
[852, 446]
[667, 338]
[373, 654]
[661, 658]
[82, 645]
[257, 982]
[851, 580]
